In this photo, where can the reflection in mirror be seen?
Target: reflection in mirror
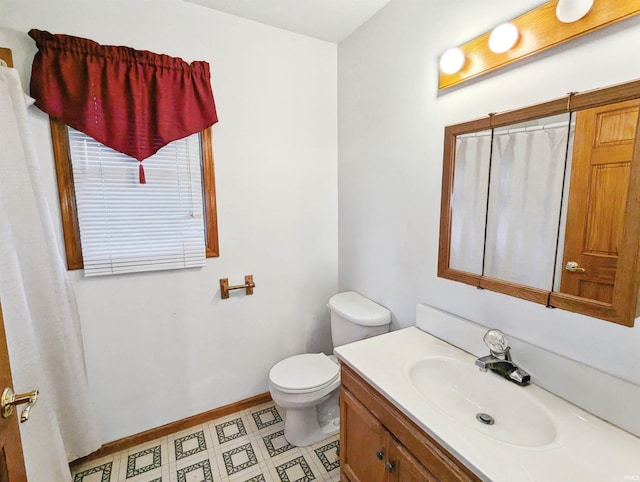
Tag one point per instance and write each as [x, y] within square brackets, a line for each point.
[469, 201]
[562, 227]
[525, 198]
[536, 209]
[603, 152]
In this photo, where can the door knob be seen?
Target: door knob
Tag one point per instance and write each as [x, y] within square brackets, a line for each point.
[380, 454]
[574, 267]
[10, 399]
[389, 466]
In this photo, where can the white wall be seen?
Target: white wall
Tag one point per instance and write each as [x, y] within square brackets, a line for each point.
[163, 346]
[391, 121]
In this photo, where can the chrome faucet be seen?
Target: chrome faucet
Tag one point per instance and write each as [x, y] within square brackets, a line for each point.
[499, 361]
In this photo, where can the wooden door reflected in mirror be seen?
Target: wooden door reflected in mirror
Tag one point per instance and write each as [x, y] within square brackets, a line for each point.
[600, 170]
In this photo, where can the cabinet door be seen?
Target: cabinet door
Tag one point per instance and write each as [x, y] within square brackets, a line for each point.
[403, 467]
[362, 442]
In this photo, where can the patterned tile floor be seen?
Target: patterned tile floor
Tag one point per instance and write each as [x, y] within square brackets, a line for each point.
[247, 446]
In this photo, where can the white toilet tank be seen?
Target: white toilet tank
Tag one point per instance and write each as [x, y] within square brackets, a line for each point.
[354, 317]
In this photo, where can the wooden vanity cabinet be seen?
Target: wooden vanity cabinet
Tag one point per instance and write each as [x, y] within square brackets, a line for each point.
[378, 443]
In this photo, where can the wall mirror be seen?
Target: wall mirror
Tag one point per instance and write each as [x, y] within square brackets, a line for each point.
[543, 203]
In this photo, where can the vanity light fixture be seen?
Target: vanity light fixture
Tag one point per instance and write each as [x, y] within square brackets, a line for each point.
[569, 11]
[452, 61]
[546, 26]
[503, 38]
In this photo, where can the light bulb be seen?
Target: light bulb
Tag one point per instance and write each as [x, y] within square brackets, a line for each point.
[503, 38]
[452, 61]
[569, 11]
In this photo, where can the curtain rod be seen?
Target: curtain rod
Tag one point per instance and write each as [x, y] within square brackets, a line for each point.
[497, 131]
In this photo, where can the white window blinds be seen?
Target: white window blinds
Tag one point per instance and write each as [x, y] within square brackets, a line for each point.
[126, 226]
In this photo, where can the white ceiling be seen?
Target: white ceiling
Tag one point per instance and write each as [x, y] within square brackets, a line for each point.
[330, 20]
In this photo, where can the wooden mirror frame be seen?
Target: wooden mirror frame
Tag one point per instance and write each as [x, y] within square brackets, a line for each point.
[624, 307]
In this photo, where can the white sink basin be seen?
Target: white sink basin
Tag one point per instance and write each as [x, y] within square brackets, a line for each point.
[537, 436]
[462, 391]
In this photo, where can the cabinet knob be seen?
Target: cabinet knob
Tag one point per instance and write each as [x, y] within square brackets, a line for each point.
[389, 466]
[380, 454]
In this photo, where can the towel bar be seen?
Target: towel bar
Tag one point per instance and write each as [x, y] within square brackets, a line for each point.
[247, 286]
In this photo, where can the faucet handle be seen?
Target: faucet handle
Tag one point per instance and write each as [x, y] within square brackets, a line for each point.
[496, 341]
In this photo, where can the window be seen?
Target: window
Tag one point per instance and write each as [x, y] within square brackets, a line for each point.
[142, 249]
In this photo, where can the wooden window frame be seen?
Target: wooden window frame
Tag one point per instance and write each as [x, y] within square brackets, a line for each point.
[67, 194]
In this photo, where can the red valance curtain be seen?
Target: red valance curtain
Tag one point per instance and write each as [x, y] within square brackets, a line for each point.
[133, 101]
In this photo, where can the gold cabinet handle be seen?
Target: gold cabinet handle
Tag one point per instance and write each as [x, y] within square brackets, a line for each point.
[574, 267]
[10, 400]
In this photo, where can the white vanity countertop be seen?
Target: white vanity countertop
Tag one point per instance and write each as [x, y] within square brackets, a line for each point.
[585, 448]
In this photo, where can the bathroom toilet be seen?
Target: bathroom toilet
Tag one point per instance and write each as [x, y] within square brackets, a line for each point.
[306, 386]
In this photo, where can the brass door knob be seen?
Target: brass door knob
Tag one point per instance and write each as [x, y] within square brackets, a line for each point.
[10, 400]
[574, 267]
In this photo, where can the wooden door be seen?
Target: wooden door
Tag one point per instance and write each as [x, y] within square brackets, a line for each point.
[362, 442]
[404, 466]
[11, 459]
[601, 164]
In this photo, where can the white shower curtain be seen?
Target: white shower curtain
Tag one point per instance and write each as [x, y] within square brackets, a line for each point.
[40, 313]
[527, 169]
[469, 201]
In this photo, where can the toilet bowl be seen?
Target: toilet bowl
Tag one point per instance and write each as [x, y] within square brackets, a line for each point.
[299, 384]
[306, 386]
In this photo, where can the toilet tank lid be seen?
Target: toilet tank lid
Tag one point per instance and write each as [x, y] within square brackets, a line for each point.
[358, 309]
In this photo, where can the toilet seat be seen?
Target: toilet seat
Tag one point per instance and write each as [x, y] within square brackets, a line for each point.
[304, 373]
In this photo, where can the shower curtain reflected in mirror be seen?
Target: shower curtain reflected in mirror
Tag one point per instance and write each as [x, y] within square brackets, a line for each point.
[469, 201]
[525, 201]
